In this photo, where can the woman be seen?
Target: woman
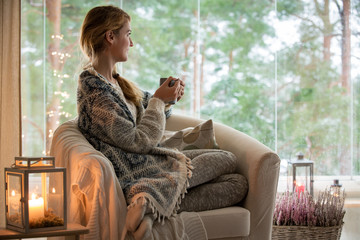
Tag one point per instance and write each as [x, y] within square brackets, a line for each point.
[127, 125]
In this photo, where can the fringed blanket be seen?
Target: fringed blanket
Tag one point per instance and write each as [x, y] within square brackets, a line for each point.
[143, 169]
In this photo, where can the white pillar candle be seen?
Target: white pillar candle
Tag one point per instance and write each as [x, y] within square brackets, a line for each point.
[36, 207]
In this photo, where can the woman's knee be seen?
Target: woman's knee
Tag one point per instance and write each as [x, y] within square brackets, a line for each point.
[233, 178]
[230, 155]
[233, 183]
[229, 158]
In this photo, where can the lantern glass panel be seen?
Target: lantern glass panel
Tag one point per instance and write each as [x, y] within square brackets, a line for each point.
[46, 199]
[303, 178]
[56, 198]
[13, 199]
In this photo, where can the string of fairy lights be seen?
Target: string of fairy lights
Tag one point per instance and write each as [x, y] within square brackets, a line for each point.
[63, 95]
[57, 111]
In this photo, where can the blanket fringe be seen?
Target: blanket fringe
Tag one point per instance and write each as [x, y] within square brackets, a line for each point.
[156, 213]
[189, 169]
[187, 161]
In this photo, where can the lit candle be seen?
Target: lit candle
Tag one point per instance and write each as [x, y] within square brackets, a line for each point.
[14, 201]
[300, 188]
[55, 200]
[36, 207]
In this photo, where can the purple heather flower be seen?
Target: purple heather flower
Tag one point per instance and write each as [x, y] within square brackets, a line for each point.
[301, 209]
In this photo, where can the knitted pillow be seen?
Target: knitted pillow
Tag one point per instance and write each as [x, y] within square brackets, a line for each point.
[200, 137]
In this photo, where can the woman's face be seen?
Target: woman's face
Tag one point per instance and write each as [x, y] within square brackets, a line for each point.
[122, 43]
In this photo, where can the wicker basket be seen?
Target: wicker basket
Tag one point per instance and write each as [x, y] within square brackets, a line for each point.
[304, 232]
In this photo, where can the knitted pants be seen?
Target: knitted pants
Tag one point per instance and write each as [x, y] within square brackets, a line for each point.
[214, 183]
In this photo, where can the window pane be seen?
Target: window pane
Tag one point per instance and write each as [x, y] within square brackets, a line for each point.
[165, 44]
[50, 66]
[355, 77]
[32, 74]
[314, 90]
[277, 71]
[238, 63]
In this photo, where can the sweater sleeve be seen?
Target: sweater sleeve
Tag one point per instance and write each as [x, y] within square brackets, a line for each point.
[148, 96]
[104, 116]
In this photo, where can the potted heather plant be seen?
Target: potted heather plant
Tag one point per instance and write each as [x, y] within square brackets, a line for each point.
[299, 216]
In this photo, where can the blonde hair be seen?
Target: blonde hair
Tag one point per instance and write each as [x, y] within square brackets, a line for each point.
[97, 22]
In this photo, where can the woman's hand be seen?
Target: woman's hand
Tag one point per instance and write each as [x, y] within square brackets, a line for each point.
[167, 93]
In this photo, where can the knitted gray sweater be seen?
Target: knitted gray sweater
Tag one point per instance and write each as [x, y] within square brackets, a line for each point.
[132, 145]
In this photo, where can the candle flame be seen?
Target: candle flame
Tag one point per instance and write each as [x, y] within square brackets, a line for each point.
[33, 196]
[13, 193]
[298, 184]
[53, 190]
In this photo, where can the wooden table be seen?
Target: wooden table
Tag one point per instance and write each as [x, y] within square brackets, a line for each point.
[72, 230]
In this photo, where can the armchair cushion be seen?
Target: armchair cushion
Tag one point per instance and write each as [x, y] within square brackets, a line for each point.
[226, 222]
[200, 137]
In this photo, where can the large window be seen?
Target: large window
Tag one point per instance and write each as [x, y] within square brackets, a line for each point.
[281, 71]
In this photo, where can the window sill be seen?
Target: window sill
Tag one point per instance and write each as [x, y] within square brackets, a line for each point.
[351, 185]
[352, 203]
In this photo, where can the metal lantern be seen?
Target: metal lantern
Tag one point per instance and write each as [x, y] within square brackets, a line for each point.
[35, 195]
[301, 168]
[336, 188]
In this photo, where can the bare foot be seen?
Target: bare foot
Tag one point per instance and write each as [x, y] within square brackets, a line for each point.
[144, 230]
[135, 214]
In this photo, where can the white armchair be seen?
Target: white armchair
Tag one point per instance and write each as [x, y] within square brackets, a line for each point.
[260, 165]
[252, 219]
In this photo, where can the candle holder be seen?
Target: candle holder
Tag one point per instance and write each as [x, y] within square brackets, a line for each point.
[35, 195]
[301, 168]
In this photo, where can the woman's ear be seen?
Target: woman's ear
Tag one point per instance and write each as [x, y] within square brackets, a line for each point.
[109, 36]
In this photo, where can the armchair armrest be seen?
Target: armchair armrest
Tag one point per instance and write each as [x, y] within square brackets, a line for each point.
[95, 198]
[258, 163]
